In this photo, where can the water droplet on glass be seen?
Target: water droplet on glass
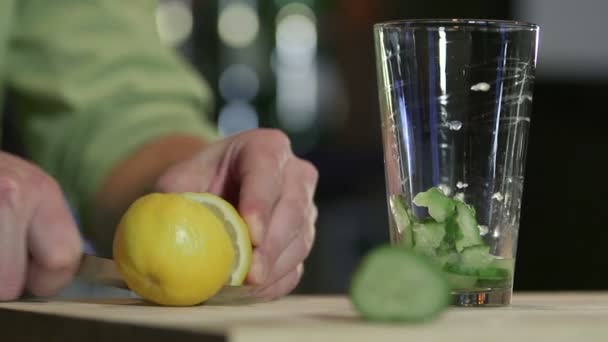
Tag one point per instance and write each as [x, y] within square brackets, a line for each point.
[524, 98]
[455, 125]
[461, 185]
[481, 86]
[483, 230]
[445, 189]
[498, 196]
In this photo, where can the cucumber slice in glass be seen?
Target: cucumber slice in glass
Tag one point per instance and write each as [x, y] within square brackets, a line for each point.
[445, 258]
[494, 277]
[476, 257]
[403, 220]
[488, 276]
[428, 236]
[461, 282]
[452, 234]
[440, 206]
[507, 264]
[469, 231]
[457, 268]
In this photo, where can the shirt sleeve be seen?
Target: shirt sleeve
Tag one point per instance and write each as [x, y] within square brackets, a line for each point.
[94, 83]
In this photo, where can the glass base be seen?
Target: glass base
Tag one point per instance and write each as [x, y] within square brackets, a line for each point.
[489, 297]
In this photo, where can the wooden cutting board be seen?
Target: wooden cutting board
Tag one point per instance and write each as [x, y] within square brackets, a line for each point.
[532, 317]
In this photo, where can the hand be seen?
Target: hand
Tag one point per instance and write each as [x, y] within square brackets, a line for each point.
[40, 246]
[271, 188]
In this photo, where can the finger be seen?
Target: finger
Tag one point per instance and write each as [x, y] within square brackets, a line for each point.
[189, 170]
[185, 177]
[289, 241]
[13, 255]
[54, 243]
[260, 165]
[284, 286]
[295, 253]
[294, 212]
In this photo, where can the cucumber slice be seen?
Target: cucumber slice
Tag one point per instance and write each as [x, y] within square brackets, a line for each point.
[403, 220]
[440, 206]
[452, 234]
[476, 256]
[488, 276]
[428, 236]
[475, 261]
[498, 274]
[504, 263]
[397, 284]
[445, 247]
[458, 268]
[445, 258]
[469, 231]
[494, 277]
[461, 282]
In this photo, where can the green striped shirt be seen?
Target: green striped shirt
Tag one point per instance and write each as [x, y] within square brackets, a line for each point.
[92, 83]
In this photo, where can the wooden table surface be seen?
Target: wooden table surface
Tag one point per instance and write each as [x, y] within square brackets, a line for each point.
[532, 317]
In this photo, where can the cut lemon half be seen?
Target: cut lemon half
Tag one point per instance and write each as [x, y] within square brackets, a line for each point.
[173, 251]
[236, 228]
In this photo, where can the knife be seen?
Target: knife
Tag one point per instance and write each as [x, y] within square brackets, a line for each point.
[103, 271]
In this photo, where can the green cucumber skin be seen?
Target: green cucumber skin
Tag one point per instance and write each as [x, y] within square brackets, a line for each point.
[452, 234]
[499, 273]
[476, 262]
[477, 256]
[372, 289]
[470, 235]
[488, 276]
[461, 282]
[444, 259]
[428, 237]
[452, 239]
[440, 206]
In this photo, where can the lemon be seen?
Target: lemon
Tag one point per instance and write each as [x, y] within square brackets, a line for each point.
[236, 228]
[171, 250]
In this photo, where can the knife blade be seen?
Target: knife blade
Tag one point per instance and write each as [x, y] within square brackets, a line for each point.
[100, 270]
[103, 271]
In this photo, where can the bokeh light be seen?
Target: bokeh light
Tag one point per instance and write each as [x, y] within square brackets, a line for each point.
[239, 81]
[295, 64]
[297, 98]
[236, 117]
[238, 24]
[296, 34]
[174, 21]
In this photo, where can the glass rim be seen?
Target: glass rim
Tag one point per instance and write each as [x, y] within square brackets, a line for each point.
[456, 22]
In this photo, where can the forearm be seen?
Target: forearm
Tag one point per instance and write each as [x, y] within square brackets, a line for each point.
[132, 178]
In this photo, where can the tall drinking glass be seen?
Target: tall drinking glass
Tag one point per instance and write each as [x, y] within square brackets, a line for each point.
[455, 100]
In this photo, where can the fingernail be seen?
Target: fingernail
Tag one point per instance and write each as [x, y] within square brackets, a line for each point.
[256, 229]
[258, 268]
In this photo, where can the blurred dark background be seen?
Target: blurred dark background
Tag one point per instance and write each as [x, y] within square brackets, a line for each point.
[307, 67]
[314, 62]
